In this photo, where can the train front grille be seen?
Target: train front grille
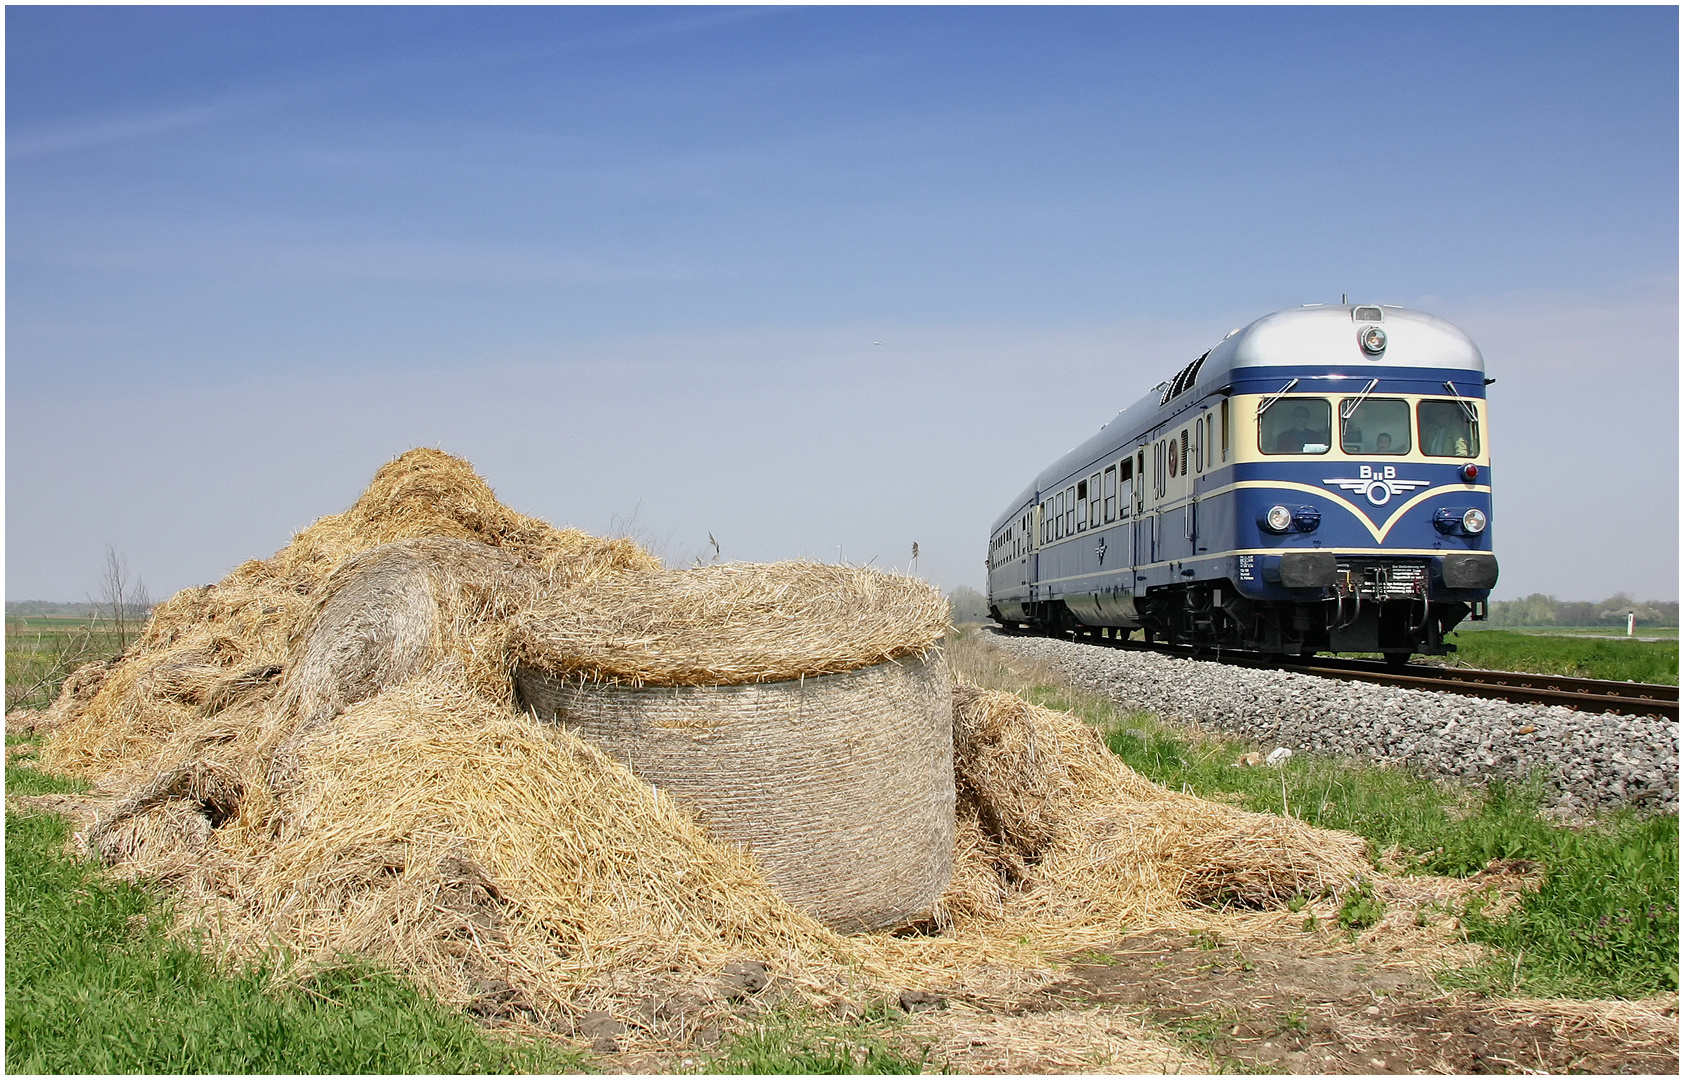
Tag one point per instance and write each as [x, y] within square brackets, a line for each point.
[1382, 580]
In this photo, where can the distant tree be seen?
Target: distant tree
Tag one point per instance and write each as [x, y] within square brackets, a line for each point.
[122, 597]
[1535, 610]
[969, 606]
[1541, 609]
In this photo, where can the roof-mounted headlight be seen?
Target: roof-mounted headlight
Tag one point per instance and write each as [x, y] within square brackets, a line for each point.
[1373, 340]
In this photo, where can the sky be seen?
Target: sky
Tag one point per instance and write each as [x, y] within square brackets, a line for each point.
[819, 282]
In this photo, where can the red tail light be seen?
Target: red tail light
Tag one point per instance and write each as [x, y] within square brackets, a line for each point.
[1470, 472]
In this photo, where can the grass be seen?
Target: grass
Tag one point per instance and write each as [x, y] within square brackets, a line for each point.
[95, 985]
[1617, 632]
[799, 1042]
[1615, 658]
[1604, 922]
[42, 649]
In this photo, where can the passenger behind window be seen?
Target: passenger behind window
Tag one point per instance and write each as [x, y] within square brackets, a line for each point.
[1447, 431]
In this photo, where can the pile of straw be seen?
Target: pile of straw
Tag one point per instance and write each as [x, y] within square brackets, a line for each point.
[1054, 829]
[730, 625]
[206, 647]
[323, 752]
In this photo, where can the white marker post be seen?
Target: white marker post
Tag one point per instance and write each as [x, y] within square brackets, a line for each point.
[1631, 623]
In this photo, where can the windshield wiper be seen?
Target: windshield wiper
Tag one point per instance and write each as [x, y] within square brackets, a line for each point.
[1263, 406]
[1467, 406]
[1351, 406]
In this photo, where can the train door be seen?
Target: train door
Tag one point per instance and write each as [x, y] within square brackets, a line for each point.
[1141, 548]
[1177, 524]
[1030, 537]
[1158, 466]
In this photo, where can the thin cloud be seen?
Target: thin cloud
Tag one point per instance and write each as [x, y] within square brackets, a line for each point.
[77, 135]
[260, 257]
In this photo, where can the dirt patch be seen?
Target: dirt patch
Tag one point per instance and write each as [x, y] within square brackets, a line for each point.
[1324, 1005]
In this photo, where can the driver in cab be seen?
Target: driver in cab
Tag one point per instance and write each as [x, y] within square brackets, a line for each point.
[1301, 436]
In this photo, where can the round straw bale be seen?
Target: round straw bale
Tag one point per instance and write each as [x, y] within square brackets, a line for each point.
[385, 612]
[730, 624]
[841, 786]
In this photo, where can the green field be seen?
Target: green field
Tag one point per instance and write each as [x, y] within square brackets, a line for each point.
[42, 649]
[1554, 653]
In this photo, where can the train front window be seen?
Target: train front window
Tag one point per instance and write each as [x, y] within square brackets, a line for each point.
[1296, 426]
[1447, 430]
[1374, 426]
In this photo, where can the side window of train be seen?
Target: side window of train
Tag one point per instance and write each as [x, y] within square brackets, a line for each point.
[1374, 426]
[1111, 493]
[1070, 510]
[1125, 487]
[1447, 430]
[1058, 516]
[1082, 506]
[1296, 426]
[1095, 503]
[1140, 475]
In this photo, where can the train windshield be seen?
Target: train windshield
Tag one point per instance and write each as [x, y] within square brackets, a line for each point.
[1374, 426]
[1447, 430]
[1296, 426]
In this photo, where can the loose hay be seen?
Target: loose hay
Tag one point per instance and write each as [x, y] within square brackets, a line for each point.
[418, 819]
[1056, 829]
[731, 624]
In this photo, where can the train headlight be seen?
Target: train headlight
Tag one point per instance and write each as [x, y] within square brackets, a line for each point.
[1459, 522]
[1373, 340]
[1277, 519]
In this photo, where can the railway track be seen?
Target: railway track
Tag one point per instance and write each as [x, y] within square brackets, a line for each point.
[1585, 695]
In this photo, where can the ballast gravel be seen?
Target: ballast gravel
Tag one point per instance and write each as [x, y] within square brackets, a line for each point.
[1589, 761]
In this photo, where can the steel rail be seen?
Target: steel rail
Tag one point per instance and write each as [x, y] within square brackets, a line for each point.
[1521, 687]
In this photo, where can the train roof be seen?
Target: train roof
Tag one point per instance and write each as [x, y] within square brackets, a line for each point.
[1310, 336]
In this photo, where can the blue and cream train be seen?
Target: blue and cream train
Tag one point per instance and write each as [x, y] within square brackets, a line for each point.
[1318, 481]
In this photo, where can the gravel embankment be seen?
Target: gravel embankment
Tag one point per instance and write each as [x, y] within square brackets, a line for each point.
[1591, 760]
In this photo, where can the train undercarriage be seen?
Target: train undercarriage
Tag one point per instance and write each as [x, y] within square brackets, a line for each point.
[1216, 617]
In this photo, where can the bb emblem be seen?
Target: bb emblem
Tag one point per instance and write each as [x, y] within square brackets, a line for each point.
[1378, 483]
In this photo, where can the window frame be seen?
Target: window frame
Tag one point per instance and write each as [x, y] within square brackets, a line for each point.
[1471, 421]
[1306, 400]
[1364, 401]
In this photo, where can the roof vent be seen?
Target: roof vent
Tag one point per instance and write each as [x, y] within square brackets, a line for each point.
[1367, 314]
[1184, 380]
